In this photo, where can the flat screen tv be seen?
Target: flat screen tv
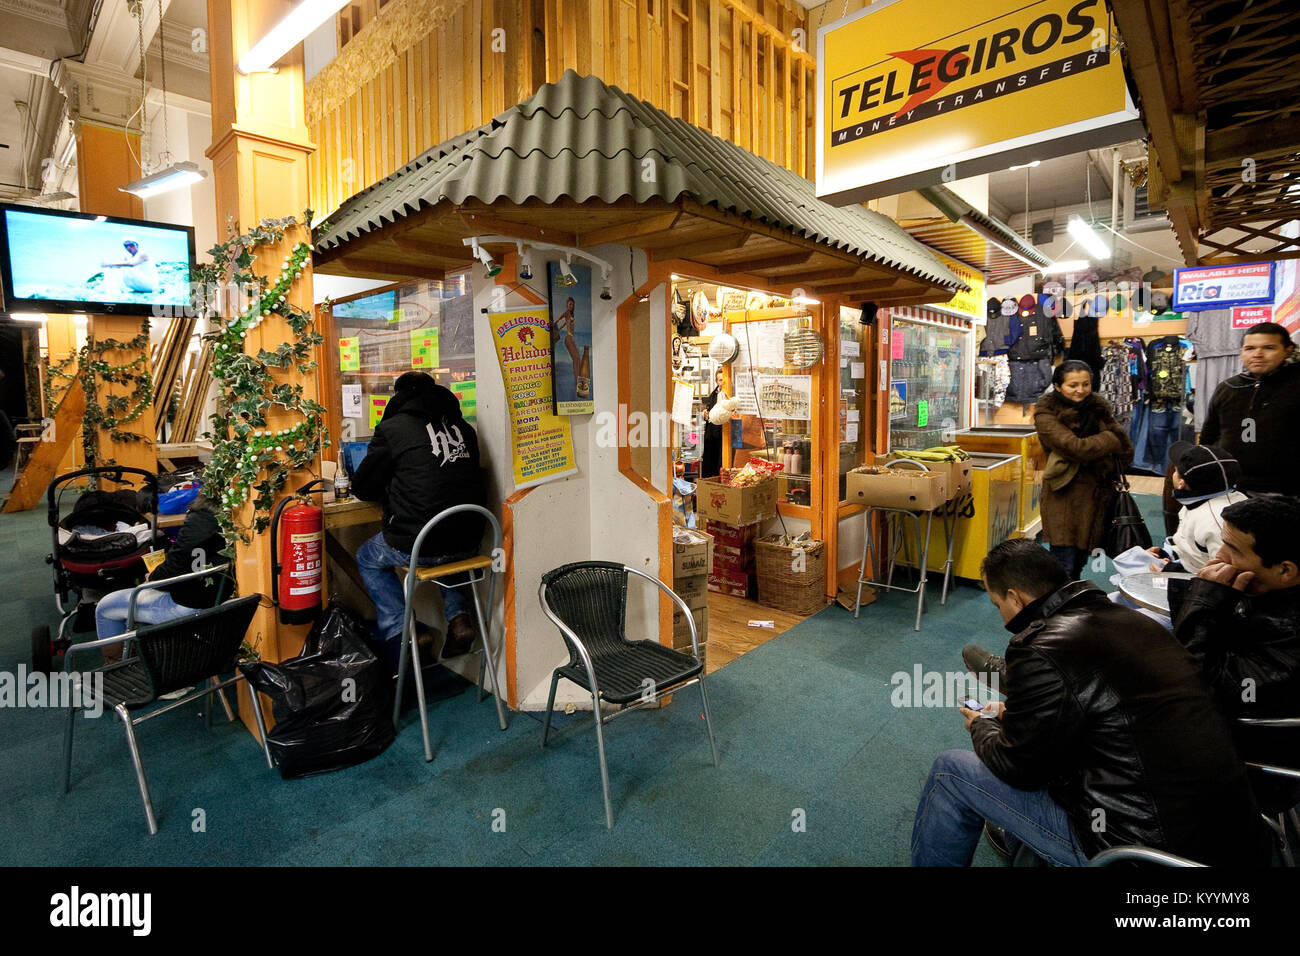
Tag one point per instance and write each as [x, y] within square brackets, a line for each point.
[55, 261]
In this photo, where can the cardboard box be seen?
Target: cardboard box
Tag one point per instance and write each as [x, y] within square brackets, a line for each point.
[898, 488]
[957, 474]
[692, 552]
[730, 536]
[694, 590]
[735, 583]
[682, 630]
[735, 506]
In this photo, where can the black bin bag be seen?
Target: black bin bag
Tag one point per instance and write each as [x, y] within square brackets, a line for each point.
[333, 703]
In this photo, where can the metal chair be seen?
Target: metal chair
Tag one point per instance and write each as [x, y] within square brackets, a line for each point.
[1140, 854]
[169, 657]
[1284, 823]
[587, 601]
[475, 570]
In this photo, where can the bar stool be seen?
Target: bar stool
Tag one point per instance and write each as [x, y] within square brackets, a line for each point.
[477, 568]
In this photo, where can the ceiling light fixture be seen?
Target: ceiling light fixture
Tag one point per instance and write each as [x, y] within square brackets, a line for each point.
[1066, 265]
[566, 277]
[1088, 238]
[1025, 165]
[287, 34]
[606, 274]
[38, 317]
[491, 265]
[46, 199]
[174, 176]
[525, 270]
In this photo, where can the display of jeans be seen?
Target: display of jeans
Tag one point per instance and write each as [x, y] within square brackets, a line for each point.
[1154, 429]
[1028, 380]
[961, 793]
[1085, 343]
[376, 560]
[1115, 383]
[151, 607]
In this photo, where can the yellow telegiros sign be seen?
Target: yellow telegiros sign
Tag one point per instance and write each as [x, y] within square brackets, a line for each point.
[915, 92]
[968, 305]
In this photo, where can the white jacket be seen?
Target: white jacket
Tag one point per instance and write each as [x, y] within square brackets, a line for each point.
[1200, 531]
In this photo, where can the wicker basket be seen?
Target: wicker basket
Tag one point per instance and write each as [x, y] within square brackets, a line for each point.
[782, 587]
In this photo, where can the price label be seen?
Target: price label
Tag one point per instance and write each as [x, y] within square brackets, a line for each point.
[922, 413]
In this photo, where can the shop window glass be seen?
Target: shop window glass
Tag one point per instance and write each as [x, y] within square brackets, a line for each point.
[420, 326]
[927, 400]
[854, 423]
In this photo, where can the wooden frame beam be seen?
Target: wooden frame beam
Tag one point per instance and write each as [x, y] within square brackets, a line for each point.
[640, 228]
[378, 267]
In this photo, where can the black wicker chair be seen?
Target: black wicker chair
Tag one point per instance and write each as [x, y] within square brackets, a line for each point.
[169, 657]
[1271, 781]
[587, 601]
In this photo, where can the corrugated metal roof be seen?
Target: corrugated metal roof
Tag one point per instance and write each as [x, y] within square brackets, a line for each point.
[584, 140]
[955, 208]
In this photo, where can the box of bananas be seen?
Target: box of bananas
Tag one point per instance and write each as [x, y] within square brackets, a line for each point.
[952, 461]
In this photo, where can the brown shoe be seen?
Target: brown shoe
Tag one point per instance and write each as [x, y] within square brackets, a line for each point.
[461, 635]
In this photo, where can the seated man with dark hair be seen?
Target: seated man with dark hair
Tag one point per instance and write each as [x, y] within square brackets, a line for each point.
[1240, 619]
[1108, 737]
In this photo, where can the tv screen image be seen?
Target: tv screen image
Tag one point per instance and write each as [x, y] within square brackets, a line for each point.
[78, 262]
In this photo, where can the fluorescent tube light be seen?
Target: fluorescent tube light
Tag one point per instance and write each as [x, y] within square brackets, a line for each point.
[40, 318]
[288, 33]
[1024, 166]
[1084, 234]
[1066, 265]
[165, 180]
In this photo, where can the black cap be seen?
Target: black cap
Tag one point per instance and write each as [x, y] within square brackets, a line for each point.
[1205, 468]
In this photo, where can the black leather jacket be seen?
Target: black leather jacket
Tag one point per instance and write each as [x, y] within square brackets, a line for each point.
[1107, 711]
[1248, 645]
[1270, 451]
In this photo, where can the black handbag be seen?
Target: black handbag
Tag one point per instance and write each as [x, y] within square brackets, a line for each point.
[1125, 528]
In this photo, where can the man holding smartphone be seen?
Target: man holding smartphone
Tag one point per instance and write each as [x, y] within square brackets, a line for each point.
[1108, 737]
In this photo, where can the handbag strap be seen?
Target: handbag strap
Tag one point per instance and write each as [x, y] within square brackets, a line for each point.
[1121, 479]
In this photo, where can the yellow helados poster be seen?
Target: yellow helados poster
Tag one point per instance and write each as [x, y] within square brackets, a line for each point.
[542, 440]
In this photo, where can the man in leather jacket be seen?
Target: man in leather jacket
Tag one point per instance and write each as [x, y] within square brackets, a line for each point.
[1108, 737]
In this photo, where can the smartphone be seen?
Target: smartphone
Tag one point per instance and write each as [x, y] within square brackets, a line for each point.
[973, 704]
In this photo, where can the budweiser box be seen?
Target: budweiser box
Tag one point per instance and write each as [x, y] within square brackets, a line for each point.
[730, 536]
[692, 552]
[735, 506]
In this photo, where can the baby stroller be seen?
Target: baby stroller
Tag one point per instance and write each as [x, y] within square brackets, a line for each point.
[99, 547]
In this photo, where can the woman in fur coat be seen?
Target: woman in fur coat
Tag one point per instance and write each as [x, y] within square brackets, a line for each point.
[1084, 445]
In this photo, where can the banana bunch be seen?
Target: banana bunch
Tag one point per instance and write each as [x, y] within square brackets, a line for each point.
[937, 453]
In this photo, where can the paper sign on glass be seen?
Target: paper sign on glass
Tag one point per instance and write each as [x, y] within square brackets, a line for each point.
[682, 396]
[352, 402]
[377, 405]
[424, 349]
[859, 370]
[350, 354]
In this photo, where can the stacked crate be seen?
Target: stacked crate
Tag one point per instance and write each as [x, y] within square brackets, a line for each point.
[733, 558]
[692, 558]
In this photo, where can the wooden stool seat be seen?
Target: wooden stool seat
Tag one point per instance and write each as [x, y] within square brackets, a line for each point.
[453, 567]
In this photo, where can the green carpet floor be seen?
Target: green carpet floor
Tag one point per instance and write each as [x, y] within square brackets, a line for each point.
[805, 726]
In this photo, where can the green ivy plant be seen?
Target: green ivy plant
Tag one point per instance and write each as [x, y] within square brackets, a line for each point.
[117, 410]
[249, 459]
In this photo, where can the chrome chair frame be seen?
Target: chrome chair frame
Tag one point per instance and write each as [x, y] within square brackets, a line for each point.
[601, 719]
[1140, 854]
[489, 659]
[129, 723]
[1278, 825]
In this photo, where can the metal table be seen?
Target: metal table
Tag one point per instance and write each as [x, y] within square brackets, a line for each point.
[1150, 591]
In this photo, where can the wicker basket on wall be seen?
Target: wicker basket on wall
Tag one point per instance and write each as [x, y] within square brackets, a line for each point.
[781, 586]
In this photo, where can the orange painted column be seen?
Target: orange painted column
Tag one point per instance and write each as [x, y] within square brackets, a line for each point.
[106, 161]
[61, 342]
[259, 156]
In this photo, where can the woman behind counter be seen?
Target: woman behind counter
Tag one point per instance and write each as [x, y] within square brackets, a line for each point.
[1084, 445]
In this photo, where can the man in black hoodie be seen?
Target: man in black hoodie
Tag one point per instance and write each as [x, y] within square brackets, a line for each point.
[422, 460]
[1255, 415]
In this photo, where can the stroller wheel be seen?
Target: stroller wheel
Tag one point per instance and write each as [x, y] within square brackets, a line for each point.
[42, 649]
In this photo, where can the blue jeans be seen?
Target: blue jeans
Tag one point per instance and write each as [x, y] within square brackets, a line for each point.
[962, 793]
[151, 607]
[1071, 558]
[376, 560]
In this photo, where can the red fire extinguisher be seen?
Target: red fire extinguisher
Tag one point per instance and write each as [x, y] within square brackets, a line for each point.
[297, 569]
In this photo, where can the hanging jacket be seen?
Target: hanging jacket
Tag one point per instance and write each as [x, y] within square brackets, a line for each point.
[423, 460]
[1268, 445]
[1166, 371]
[1115, 384]
[1085, 343]
[1040, 338]
[996, 335]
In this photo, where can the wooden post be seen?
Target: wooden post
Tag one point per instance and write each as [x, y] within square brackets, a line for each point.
[260, 157]
[106, 161]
